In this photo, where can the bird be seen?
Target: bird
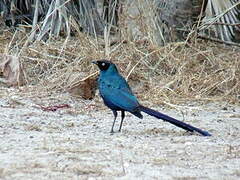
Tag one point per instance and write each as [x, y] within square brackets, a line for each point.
[118, 96]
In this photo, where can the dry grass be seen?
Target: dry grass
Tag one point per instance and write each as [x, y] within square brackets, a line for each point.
[197, 70]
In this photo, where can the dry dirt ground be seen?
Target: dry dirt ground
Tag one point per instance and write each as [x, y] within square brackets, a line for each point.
[75, 143]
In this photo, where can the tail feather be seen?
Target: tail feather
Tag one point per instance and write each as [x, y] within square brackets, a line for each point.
[173, 121]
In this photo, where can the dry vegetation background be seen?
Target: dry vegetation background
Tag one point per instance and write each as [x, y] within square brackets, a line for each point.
[191, 70]
[195, 70]
[75, 143]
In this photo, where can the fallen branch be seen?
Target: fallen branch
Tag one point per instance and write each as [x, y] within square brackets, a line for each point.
[218, 40]
[53, 108]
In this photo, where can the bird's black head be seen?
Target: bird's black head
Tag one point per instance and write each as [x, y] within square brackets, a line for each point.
[103, 64]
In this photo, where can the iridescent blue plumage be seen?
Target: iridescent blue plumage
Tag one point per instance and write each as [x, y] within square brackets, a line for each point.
[116, 93]
[118, 96]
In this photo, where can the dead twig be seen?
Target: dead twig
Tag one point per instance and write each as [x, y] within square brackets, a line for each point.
[219, 40]
[53, 108]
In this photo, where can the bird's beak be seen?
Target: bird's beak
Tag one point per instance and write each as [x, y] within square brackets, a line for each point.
[95, 62]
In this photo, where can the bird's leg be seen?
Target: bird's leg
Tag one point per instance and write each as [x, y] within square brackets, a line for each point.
[115, 117]
[123, 116]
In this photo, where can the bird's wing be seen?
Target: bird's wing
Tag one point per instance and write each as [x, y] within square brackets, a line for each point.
[118, 93]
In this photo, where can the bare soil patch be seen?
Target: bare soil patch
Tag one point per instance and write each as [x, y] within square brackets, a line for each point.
[75, 143]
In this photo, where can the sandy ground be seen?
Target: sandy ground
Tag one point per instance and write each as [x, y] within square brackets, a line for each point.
[75, 143]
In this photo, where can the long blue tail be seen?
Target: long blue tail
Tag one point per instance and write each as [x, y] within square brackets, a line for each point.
[173, 121]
